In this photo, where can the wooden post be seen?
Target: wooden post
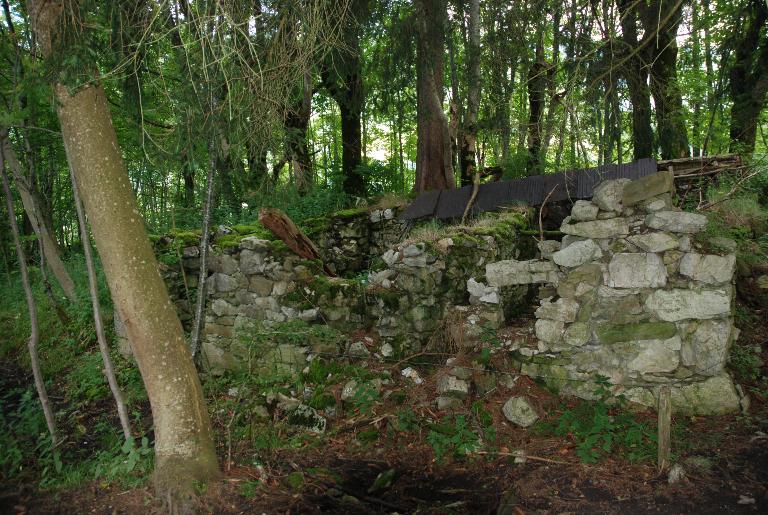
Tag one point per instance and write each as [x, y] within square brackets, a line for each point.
[665, 426]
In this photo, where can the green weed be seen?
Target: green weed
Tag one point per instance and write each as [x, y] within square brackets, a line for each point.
[599, 429]
[452, 436]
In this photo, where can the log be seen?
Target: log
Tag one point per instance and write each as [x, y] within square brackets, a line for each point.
[284, 228]
[691, 166]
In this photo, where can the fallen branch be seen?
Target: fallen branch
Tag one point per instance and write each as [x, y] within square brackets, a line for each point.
[284, 228]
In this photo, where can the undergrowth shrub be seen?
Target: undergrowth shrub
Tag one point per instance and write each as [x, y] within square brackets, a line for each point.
[602, 427]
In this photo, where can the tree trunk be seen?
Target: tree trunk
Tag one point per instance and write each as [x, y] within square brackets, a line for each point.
[434, 169]
[749, 77]
[636, 74]
[661, 19]
[342, 77]
[93, 287]
[468, 150]
[536, 91]
[184, 449]
[34, 336]
[33, 206]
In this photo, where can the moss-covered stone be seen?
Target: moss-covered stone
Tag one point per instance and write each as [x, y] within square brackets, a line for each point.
[614, 333]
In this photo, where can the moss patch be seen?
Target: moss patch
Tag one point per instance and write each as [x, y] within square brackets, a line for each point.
[629, 332]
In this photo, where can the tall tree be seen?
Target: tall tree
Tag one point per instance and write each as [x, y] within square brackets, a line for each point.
[184, 450]
[661, 19]
[633, 57]
[343, 79]
[749, 74]
[434, 167]
[468, 148]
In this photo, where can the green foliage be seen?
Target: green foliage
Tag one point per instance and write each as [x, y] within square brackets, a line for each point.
[364, 398]
[408, 421]
[485, 421]
[452, 436]
[249, 488]
[745, 362]
[599, 429]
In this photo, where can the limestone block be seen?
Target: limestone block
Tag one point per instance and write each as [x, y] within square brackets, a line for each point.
[222, 283]
[511, 272]
[255, 244]
[676, 221]
[581, 280]
[648, 187]
[413, 250]
[519, 411]
[714, 396]
[390, 257]
[451, 386]
[549, 331]
[721, 244]
[678, 304]
[654, 241]
[547, 248]
[577, 334]
[608, 195]
[260, 285]
[710, 269]
[637, 270]
[216, 360]
[707, 350]
[251, 262]
[569, 239]
[660, 203]
[223, 263]
[577, 254]
[656, 356]
[584, 211]
[563, 309]
[597, 229]
[223, 308]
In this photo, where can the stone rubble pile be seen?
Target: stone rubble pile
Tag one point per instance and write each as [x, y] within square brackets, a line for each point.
[632, 298]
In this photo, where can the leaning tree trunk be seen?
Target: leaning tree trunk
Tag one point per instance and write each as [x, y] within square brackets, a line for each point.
[34, 336]
[434, 167]
[34, 209]
[93, 287]
[184, 449]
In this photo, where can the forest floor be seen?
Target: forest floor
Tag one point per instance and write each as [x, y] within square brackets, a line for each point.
[384, 460]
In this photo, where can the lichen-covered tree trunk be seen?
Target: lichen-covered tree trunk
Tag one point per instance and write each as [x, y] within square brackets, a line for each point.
[184, 450]
[434, 167]
[34, 210]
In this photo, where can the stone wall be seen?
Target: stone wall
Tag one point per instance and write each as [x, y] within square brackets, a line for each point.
[255, 283]
[631, 295]
[424, 278]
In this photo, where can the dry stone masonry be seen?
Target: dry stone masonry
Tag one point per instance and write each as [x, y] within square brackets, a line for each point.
[631, 294]
[255, 283]
[632, 298]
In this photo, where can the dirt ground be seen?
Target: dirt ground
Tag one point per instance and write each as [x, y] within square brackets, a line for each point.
[725, 461]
